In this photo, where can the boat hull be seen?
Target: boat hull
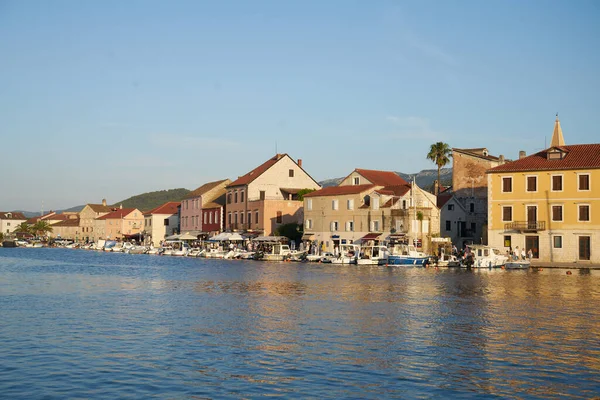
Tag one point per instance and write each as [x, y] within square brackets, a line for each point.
[406, 260]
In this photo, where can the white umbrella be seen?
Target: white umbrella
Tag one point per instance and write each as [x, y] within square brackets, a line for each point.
[187, 236]
[235, 237]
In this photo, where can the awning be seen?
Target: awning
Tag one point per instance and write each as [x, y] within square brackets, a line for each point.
[307, 236]
[370, 236]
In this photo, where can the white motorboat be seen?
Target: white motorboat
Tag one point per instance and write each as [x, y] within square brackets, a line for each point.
[517, 264]
[482, 256]
[348, 254]
[373, 255]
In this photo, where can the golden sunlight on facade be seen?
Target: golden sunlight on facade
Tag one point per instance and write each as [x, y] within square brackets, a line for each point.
[548, 202]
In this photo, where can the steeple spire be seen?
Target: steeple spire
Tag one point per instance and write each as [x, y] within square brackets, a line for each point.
[557, 136]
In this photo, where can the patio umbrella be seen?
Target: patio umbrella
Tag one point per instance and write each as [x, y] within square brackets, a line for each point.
[187, 236]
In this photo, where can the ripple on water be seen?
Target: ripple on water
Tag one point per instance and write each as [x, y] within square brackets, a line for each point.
[81, 324]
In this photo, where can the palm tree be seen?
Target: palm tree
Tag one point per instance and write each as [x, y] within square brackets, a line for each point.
[23, 227]
[440, 154]
[41, 228]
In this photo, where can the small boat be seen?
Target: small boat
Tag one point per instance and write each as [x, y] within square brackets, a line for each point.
[373, 255]
[276, 252]
[138, 250]
[9, 243]
[517, 264]
[406, 254]
[482, 256]
[348, 254]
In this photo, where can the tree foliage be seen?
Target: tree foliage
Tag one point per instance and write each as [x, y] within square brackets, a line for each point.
[41, 228]
[292, 231]
[440, 154]
[23, 227]
[302, 192]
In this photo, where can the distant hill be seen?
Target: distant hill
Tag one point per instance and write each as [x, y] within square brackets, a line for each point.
[148, 201]
[425, 178]
[143, 202]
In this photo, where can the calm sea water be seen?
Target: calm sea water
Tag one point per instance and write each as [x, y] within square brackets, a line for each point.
[84, 324]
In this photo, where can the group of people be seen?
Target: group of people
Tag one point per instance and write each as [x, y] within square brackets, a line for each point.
[520, 254]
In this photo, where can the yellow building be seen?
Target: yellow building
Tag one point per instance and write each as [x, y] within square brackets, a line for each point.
[548, 202]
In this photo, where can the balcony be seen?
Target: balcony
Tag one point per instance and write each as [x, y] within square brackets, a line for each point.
[525, 226]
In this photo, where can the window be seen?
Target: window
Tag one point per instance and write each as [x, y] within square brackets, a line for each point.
[229, 198]
[557, 242]
[334, 205]
[241, 217]
[229, 218]
[507, 241]
[187, 206]
[584, 182]
[166, 221]
[557, 213]
[448, 225]
[472, 207]
[375, 203]
[557, 183]
[350, 204]
[584, 247]
[210, 217]
[404, 205]
[242, 196]
[473, 228]
[356, 180]
[334, 226]
[531, 184]
[584, 212]
[450, 207]
[235, 196]
[507, 184]
[309, 204]
[279, 217]
[249, 219]
[506, 213]
[308, 224]
[262, 194]
[256, 216]
[375, 226]
[235, 217]
[350, 226]
[291, 173]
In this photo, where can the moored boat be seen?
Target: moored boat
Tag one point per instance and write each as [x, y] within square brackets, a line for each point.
[373, 255]
[406, 254]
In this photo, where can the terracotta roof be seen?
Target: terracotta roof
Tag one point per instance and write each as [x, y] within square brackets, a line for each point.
[13, 215]
[48, 217]
[480, 152]
[382, 178]
[204, 188]
[578, 156]
[258, 171]
[117, 214]
[99, 208]
[211, 205]
[340, 190]
[169, 207]
[68, 222]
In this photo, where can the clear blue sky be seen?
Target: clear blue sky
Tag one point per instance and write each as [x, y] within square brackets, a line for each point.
[109, 99]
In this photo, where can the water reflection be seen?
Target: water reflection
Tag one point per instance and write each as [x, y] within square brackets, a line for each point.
[146, 326]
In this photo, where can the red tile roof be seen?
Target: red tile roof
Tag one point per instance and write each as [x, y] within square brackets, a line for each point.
[258, 171]
[13, 215]
[167, 208]
[117, 214]
[578, 156]
[99, 208]
[383, 178]
[480, 152]
[68, 222]
[340, 190]
[442, 199]
[204, 188]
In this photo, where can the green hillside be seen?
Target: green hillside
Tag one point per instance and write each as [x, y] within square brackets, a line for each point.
[148, 201]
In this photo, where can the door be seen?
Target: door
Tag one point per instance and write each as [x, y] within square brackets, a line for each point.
[533, 243]
[584, 248]
[531, 217]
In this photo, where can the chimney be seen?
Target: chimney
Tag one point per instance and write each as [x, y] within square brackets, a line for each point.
[436, 187]
[300, 162]
[104, 202]
[522, 154]
[121, 206]
[501, 159]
